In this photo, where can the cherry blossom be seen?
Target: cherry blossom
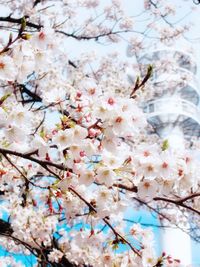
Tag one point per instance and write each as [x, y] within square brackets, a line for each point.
[76, 149]
[7, 68]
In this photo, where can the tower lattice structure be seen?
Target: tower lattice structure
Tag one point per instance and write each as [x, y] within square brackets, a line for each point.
[175, 102]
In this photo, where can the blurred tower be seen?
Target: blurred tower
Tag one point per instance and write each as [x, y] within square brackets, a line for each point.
[174, 114]
[173, 110]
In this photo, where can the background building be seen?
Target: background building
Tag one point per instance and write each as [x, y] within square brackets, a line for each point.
[174, 114]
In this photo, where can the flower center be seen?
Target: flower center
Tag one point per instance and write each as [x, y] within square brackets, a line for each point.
[164, 165]
[111, 101]
[41, 36]
[180, 172]
[119, 119]
[2, 65]
[146, 185]
[92, 91]
[146, 153]
[106, 173]
[150, 168]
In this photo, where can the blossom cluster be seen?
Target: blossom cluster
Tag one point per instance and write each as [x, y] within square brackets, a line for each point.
[74, 144]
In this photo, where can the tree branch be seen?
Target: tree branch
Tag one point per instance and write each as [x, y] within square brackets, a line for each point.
[96, 37]
[117, 235]
[19, 20]
[178, 202]
[6, 231]
[42, 163]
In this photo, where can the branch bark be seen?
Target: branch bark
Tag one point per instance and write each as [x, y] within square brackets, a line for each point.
[6, 231]
[19, 20]
[179, 202]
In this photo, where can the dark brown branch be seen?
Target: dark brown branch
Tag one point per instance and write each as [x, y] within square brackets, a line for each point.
[117, 235]
[33, 95]
[27, 156]
[7, 231]
[19, 20]
[163, 216]
[5, 227]
[132, 188]
[36, 2]
[71, 63]
[139, 84]
[96, 37]
[189, 197]
[43, 163]
[177, 202]
[40, 124]
[27, 181]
